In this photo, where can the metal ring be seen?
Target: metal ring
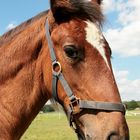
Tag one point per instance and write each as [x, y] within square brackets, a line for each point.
[57, 65]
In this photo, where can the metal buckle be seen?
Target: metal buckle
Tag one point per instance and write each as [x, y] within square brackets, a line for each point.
[56, 68]
[74, 105]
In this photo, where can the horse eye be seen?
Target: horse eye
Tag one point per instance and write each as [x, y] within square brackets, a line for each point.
[71, 51]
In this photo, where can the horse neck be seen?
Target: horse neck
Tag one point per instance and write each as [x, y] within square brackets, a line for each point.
[22, 88]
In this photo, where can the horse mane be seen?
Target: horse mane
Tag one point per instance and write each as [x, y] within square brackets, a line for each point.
[84, 9]
[8, 36]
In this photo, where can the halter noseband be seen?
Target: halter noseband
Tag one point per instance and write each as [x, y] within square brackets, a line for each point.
[76, 105]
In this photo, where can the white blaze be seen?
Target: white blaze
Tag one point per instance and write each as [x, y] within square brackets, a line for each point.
[96, 39]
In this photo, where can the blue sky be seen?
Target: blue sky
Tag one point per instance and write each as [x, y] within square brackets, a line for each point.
[120, 30]
[123, 34]
[16, 11]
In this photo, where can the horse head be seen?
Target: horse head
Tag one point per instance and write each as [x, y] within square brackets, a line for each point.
[83, 57]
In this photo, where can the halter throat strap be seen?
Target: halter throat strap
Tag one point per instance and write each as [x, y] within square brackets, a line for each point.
[76, 105]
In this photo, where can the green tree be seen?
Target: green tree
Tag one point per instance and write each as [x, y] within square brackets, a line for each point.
[131, 105]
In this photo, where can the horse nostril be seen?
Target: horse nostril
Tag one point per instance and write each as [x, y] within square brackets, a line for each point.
[113, 136]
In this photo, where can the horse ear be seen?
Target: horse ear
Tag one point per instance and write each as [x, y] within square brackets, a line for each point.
[59, 8]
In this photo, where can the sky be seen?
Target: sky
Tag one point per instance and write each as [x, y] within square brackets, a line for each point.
[121, 29]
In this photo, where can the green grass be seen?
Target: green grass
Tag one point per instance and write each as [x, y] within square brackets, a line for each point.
[54, 126]
[134, 125]
[51, 126]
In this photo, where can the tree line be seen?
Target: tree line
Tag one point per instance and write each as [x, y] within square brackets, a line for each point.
[132, 105]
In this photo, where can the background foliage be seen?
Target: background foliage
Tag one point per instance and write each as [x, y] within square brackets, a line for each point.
[131, 105]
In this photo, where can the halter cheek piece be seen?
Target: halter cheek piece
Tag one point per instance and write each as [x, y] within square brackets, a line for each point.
[76, 105]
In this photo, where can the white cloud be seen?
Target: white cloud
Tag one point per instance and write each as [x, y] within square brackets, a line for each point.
[108, 6]
[11, 26]
[129, 89]
[112, 5]
[130, 12]
[125, 40]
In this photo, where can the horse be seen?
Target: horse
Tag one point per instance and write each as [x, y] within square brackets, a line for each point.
[61, 54]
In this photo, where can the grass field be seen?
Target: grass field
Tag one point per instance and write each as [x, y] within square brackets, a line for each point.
[134, 124]
[54, 126]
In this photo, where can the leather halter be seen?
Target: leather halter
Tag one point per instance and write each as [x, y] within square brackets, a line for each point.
[76, 105]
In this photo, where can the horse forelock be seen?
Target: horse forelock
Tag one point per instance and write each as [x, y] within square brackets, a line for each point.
[83, 9]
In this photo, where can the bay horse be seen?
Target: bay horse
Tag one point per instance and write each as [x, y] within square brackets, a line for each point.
[61, 53]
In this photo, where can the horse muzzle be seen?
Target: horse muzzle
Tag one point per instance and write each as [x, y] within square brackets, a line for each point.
[102, 126]
[111, 136]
